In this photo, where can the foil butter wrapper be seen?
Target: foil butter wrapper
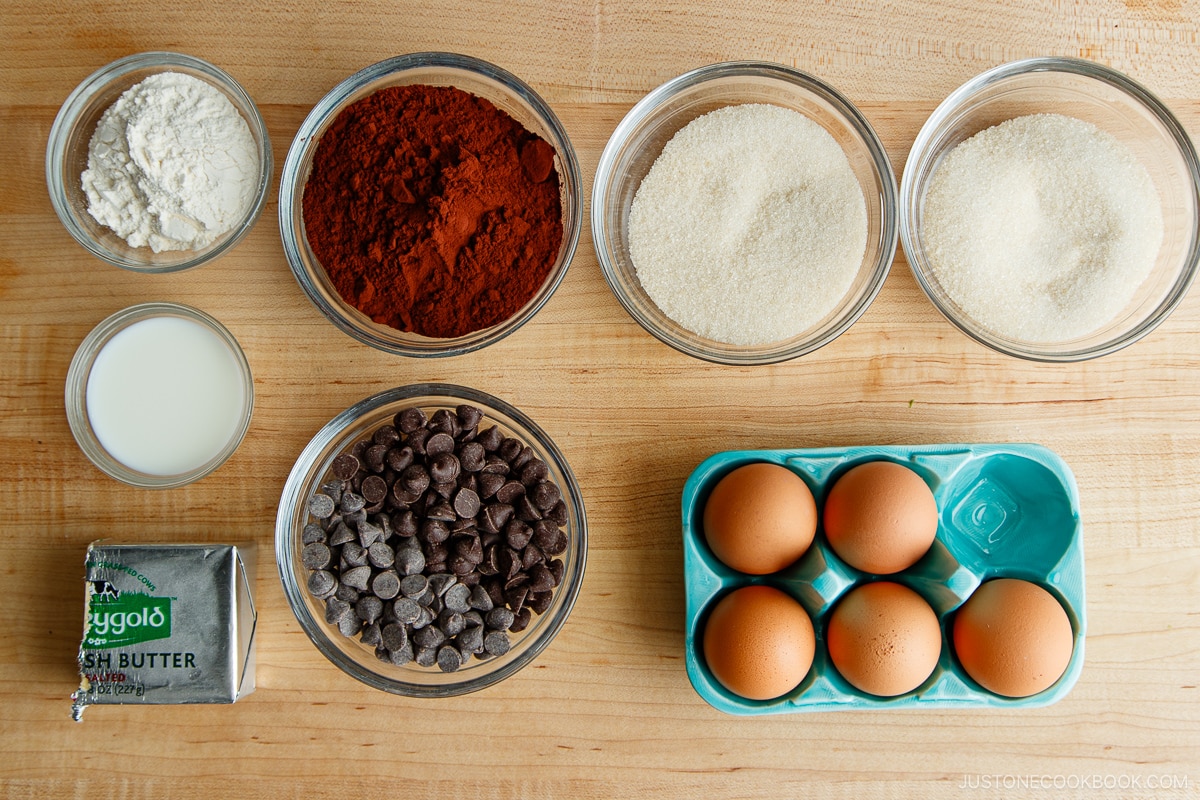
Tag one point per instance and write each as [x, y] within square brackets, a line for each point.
[166, 623]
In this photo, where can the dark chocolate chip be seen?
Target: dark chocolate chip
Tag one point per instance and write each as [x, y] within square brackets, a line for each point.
[374, 458]
[351, 502]
[399, 458]
[466, 503]
[517, 534]
[439, 444]
[321, 584]
[448, 658]
[496, 643]
[315, 555]
[521, 621]
[533, 472]
[320, 506]
[510, 491]
[546, 495]
[345, 466]
[480, 600]
[471, 456]
[469, 417]
[386, 585]
[445, 467]
[410, 419]
[358, 577]
[386, 435]
[374, 489]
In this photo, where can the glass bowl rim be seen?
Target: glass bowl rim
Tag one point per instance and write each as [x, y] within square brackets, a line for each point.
[286, 537]
[155, 61]
[919, 154]
[80, 369]
[327, 109]
[854, 120]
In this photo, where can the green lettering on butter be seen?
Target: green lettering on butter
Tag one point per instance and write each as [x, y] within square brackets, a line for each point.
[129, 619]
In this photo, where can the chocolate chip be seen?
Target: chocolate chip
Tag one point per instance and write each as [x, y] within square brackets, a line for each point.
[448, 658]
[369, 609]
[469, 417]
[490, 438]
[374, 489]
[539, 601]
[533, 472]
[414, 479]
[558, 513]
[435, 531]
[353, 555]
[425, 657]
[445, 466]
[557, 568]
[345, 466]
[444, 421]
[526, 511]
[321, 584]
[349, 625]
[313, 533]
[386, 585]
[370, 635]
[358, 577]
[417, 440]
[335, 609]
[406, 610]
[439, 444]
[558, 546]
[403, 655]
[498, 515]
[405, 523]
[394, 636]
[409, 560]
[315, 556]
[320, 506]
[457, 598]
[429, 636]
[471, 639]
[414, 585]
[369, 534]
[510, 491]
[386, 435]
[441, 512]
[517, 534]
[499, 618]
[466, 503]
[545, 496]
[521, 621]
[410, 419]
[496, 643]
[399, 459]
[352, 502]
[452, 623]
[374, 457]
[480, 600]
[471, 456]
[347, 594]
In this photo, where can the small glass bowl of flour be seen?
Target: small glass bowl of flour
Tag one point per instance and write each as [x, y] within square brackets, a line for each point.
[158, 162]
[1049, 210]
[744, 213]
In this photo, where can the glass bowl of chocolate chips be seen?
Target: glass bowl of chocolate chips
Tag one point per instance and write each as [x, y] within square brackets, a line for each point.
[431, 540]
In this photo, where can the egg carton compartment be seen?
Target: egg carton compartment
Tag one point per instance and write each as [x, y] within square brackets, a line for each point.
[1004, 510]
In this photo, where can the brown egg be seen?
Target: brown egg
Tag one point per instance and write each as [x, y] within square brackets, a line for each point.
[880, 517]
[760, 518]
[1013, 637]
[759, 642]
[884, 638]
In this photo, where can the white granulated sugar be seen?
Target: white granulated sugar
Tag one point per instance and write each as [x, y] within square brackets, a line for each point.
[1042, 228]
[172, 165]
[750, 226]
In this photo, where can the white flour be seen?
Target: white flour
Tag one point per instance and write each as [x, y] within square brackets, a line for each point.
[172, 165]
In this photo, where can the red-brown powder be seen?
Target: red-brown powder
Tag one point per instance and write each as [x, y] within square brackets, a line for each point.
[433, 211]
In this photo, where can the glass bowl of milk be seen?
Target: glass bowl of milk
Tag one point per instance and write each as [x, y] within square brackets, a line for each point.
[159, 395]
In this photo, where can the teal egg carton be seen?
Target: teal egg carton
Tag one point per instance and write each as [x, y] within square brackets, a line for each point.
[1004, 510]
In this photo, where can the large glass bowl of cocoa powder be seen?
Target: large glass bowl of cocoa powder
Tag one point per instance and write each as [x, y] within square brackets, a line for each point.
[430, 204]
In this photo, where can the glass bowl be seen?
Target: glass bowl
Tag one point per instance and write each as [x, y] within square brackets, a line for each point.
[1118, 106]
[79, 376]
[312, 470]
[639, 139]
[67, 158]
[502, 89]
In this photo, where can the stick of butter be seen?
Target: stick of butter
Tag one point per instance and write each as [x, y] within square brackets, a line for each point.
[166, 623]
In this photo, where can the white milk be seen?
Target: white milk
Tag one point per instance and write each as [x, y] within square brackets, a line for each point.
[164, 396]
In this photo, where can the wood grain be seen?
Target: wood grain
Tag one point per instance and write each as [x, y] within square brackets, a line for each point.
[607, 710]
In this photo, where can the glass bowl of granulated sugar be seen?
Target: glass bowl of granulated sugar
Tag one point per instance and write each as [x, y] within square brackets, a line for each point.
[1049, 210]
[744, 213]
[158, 162]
